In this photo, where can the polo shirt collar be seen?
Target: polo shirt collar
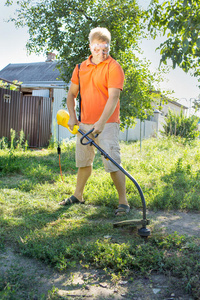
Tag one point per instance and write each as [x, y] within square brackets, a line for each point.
[88, 61]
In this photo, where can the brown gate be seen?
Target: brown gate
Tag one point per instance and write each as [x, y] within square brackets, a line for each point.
[32, 114]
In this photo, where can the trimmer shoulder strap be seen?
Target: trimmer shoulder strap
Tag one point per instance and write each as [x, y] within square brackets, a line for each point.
[79, 118]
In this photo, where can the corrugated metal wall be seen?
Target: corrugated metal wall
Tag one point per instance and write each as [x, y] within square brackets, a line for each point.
[9, 112]
[32, 114]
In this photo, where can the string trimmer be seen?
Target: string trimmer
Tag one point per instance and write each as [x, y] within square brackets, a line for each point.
[63, 119]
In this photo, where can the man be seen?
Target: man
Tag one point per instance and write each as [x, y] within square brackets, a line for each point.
[101, 80]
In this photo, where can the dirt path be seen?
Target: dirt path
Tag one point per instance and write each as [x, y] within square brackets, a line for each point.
[93, 284]
[183, 223]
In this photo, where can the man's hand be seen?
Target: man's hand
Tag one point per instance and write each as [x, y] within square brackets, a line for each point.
[71, 105]
[72, 121]
[98, 127]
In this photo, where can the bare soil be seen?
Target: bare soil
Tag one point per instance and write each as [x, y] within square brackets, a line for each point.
[91, 284]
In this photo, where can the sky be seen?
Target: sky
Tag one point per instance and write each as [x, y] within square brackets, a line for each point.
[13, 50]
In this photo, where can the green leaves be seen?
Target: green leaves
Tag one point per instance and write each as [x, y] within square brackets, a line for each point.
[185, 45]
[179, 21]
[198, 42]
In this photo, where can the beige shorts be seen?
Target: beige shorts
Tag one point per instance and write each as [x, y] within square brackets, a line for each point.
[108, 140]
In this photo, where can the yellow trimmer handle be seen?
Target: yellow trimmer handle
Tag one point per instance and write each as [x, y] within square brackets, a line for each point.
[63, 119]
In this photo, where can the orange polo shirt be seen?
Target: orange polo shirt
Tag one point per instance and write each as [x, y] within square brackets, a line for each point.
[95, 80]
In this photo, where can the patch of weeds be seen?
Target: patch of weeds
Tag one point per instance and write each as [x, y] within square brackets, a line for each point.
[181, 181]
[2, 241]
[115, 277]
[26, 186]
[181, 258]
[41, 173]
[10, 163]
[53, 295]
[4, 143]
[15, 285]
[193, 286]
[171, 241]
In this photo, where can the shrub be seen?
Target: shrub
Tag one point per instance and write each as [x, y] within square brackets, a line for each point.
[17, 141]
[180, 125]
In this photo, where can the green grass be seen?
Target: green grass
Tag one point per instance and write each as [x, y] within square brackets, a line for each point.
[32, 222]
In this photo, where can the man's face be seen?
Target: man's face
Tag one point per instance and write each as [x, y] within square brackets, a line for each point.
[100, 50]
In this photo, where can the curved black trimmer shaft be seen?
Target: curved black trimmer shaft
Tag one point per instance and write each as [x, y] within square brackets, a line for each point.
[143, 232]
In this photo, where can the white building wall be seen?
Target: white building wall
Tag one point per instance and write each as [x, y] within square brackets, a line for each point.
[175, 108]
[64, 133]
[145, 128]
[41, 93]
[160, 121]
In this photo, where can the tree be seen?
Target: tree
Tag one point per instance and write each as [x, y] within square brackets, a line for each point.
[179, 21]
[13, 86]
[63, 26]
[196, 105]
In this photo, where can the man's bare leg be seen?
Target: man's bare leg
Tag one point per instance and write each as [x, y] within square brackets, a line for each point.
[82, 177]
[119, 180]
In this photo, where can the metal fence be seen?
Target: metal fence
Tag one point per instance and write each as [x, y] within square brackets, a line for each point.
[32, 114]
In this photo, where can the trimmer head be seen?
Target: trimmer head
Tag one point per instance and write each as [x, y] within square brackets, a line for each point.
[143, 232]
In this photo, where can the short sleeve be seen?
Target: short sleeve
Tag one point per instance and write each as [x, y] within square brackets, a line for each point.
[75, 78]
[116, 76]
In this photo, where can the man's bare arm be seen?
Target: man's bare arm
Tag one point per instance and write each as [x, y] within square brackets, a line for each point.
[113, 97]
[71, 104]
